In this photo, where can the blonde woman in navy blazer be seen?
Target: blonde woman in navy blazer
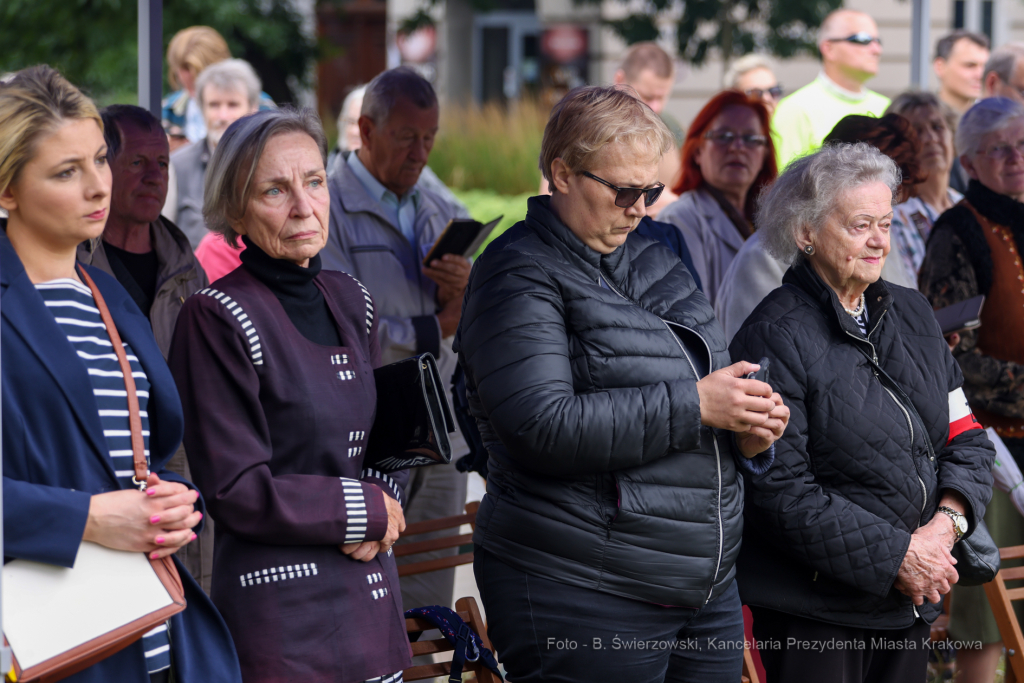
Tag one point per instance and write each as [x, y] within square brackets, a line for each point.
[64, 478]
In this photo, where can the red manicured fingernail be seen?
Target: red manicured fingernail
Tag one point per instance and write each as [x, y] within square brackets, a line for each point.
[153, 555]
[159, 540]
[200, 515]
[150, 492]
[154, 519]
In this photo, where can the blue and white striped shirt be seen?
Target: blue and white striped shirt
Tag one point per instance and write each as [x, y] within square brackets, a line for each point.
[74, 309]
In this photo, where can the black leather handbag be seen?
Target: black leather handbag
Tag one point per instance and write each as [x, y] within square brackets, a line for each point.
[977, 557]
[413, 418]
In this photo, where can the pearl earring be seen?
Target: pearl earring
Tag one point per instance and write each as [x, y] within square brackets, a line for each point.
[809, 249]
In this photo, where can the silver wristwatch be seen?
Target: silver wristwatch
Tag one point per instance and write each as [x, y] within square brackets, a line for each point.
[959, 521]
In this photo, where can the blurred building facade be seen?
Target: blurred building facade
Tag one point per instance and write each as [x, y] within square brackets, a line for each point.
[543, 47]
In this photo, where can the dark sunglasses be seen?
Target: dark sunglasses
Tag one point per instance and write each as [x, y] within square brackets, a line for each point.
[626, 197]
[862, 38]
[775, 91]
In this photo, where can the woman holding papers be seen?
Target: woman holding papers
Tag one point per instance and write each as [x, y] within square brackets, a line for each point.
[68, 464]
[275, 366]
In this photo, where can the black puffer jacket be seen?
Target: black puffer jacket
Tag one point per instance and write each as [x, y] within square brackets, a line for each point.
[601, 474]
[828, 525]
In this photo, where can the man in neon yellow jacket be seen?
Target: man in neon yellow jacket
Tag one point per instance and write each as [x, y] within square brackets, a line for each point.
[850, 51]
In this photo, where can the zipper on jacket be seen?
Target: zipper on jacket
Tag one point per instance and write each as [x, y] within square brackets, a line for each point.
[714, 439]
[910, 424]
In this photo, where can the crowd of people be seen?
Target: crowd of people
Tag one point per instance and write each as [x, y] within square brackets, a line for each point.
[705, 366]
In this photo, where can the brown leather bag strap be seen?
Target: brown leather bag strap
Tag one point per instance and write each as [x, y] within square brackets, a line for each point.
[134, 415]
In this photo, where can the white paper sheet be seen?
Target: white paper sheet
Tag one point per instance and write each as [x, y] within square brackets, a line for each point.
[49, 610]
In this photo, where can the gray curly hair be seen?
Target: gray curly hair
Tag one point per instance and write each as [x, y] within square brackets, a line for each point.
[811, 188]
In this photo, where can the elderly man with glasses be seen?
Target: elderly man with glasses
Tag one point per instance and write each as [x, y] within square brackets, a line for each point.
[850, 51]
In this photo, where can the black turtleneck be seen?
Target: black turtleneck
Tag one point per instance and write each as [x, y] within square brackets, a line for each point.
[293, 286]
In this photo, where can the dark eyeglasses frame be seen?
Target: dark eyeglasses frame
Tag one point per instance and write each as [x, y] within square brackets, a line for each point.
[626, 197]
[862, 38]
[752, 141]
[775, 91]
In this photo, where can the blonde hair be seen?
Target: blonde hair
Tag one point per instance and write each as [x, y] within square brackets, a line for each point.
[194, 48]
[590, 117]
[33, 104]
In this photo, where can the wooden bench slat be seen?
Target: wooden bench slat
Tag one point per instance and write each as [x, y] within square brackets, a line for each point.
[438, 524]
[434, 565]
[433, 544]
[424, 671]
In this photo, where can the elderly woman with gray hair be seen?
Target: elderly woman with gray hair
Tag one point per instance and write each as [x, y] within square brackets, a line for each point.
[974, 249]
[275, 370]
[848, 536]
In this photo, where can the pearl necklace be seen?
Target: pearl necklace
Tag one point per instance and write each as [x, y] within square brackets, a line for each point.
[857, 312]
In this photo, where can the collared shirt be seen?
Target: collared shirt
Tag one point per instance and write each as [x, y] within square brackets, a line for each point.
[401, 212]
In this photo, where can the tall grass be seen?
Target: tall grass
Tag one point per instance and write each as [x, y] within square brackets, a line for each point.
[490, 147]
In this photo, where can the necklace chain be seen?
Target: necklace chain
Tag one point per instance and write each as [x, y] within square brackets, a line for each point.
[856, 312]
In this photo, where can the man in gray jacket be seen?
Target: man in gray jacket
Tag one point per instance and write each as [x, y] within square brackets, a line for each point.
[382, 227]
[149, 256]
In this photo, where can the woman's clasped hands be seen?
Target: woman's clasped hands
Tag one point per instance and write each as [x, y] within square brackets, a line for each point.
[748, 407]
[157, 521]
[367, 550]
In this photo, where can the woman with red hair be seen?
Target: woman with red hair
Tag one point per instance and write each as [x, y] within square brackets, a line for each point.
[728, 157]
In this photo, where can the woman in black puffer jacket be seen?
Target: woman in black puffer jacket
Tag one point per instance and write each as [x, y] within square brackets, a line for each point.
[600, 381]
[883, 468]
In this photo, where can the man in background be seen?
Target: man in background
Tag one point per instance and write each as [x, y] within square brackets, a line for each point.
[959, 65]
[1004, 73]
[382, 226]
[149, 256]
[850, 53]
[226, 92]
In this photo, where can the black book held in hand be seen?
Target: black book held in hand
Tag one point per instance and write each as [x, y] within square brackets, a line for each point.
[413, 418]
[462, 237]
[961, 316]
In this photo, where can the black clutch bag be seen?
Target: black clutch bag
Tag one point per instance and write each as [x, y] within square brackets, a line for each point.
[413, 419]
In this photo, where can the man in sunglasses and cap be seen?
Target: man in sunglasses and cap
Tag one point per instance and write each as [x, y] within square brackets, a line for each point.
[850, 51]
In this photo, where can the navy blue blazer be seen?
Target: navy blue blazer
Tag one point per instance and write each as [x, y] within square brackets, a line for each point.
[55, 457]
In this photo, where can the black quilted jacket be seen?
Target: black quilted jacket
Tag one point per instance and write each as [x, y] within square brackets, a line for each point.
[856, 472]
[601, 474]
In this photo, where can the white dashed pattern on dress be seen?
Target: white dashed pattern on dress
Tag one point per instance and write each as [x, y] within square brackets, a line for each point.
[247, 326]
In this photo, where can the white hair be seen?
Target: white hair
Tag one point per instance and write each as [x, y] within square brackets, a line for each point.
[987, 116]
[811, 189]
[231, 74]
[743, 65]
[350, 100]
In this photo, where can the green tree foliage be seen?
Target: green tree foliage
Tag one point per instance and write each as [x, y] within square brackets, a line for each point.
[734, 27]
[94, 42]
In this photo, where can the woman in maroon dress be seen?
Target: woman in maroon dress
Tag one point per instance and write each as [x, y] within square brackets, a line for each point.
[275, 369]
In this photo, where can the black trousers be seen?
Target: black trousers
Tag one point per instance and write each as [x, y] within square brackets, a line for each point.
[795, 650]
[546, 631]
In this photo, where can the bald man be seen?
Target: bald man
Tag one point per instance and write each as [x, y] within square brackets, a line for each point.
[850, 52]
[1004, 73]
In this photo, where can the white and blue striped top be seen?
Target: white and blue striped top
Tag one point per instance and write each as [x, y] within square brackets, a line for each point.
[75, 311]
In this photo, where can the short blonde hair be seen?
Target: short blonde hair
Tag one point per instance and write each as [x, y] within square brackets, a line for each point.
[743, 65]
[194, 48]
[590, 117]
[33, 104]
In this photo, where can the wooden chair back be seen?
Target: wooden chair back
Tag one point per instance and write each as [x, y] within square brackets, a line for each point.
[468, 610]
[1001, 599]
[454, 541]
[749, 671]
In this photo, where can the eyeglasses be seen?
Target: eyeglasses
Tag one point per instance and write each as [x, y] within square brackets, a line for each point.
[775, 91]
[725, 138]
[1004, 151]
[626, 197]
[862, 38]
